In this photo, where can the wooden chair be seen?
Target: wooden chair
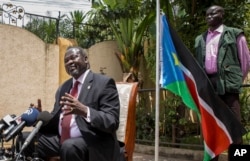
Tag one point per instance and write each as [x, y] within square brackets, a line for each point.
[127, 129]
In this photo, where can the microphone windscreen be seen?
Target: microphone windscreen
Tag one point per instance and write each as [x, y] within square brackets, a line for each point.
[30, 116]
[45, 117]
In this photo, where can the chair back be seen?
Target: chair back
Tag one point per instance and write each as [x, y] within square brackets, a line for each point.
[127, 128]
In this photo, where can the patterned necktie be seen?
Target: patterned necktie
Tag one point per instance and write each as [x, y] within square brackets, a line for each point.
[67, 119]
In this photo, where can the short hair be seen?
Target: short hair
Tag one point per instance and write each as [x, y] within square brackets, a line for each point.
[220, 8]
[82, 51]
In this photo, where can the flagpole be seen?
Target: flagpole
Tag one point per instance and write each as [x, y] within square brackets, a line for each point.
[157, 86]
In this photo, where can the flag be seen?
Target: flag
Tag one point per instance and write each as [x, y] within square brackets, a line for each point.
[182, 75]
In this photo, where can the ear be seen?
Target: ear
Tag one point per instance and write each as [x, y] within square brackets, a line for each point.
[221, 17]
[221, 14]
[86, 60]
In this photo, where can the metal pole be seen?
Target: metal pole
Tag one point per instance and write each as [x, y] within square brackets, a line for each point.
[157, 86]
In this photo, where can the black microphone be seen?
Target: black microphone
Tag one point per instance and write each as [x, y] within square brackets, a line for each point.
[28, 118]
[43, 119]
[6, 121]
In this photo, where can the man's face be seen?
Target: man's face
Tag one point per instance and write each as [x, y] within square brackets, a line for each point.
[214, 16]
[75, 64]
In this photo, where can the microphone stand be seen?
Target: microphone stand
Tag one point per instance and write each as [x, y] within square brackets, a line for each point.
[2, 149]
[19, 156]
[3, 154]
[35, 153]
[13, 147]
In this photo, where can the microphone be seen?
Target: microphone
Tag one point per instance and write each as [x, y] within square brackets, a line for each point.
[6, 121]
[12, 125]
[43, 119]
[28, 118]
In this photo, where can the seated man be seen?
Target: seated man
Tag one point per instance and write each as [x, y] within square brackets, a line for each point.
[85, 116]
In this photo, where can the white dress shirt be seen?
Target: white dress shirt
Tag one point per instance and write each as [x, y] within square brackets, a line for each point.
[74, 130]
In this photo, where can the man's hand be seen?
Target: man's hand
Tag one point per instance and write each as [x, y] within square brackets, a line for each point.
[71, 105]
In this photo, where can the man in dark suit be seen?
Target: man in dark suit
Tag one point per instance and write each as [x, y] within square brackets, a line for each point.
[94, 115]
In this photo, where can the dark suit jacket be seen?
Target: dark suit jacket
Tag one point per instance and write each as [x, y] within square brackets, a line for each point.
[99, 93]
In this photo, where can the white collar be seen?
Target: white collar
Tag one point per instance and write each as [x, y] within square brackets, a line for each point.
[82, 78]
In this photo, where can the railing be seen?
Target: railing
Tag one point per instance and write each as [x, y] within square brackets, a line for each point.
[176, 127]
[50, 28]
[181, 131]
[11, 14]
[16, 16]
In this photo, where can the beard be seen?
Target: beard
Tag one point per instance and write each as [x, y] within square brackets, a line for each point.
[74, 73]
[77, 72]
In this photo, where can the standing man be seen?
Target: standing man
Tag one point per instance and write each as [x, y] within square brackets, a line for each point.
[223, 53]
[91, 105]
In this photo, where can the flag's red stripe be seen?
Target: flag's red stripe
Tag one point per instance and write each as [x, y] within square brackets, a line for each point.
[214, 136]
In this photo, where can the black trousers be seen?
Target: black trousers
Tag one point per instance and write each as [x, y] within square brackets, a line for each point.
[49, 145]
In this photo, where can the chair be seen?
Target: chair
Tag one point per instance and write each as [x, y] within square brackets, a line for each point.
[127, 128]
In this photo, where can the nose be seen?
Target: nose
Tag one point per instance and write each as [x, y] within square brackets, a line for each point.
[208, 16]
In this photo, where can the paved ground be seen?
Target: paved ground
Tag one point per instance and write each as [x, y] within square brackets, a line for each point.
[145, 157]
[146, 153]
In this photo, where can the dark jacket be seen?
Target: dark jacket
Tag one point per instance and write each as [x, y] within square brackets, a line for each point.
[99, 93]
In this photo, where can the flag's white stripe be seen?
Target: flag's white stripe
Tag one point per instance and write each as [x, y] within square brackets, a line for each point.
[208, 150]
[207, 108]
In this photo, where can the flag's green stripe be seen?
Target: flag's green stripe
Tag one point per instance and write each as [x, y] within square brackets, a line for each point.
[180, 88]
[206, 157]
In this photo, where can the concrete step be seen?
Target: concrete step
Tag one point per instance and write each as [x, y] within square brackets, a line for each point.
[146, 153]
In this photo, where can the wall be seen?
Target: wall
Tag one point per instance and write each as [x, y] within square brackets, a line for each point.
[32, 69]
[102, 55]
[29, 70]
